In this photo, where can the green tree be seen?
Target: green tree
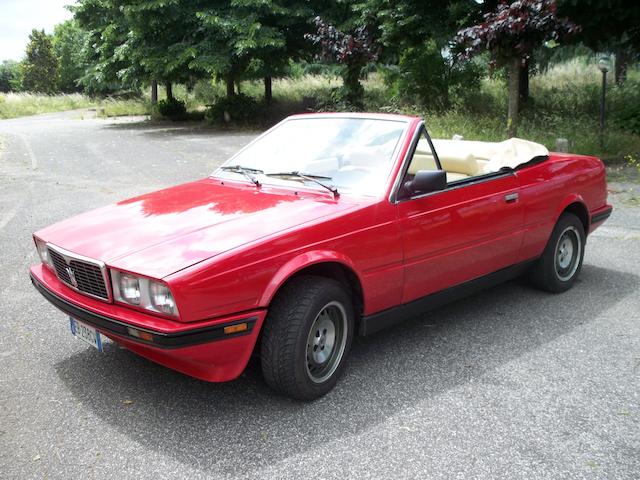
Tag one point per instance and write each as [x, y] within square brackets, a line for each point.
[415, 37]
[409, 23]
[69, 44]
[159, 43]
[104, 52]
[141, 41]
[9, 76]
[244, 39]
[291, 19]
[39, 68]
[607, 25]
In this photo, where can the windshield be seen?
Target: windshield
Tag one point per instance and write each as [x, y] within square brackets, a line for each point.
[348, 154]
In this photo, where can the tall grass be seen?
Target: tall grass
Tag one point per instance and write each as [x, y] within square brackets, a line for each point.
[123, 107]
[289, 90]
[23, 104]
[582, 133]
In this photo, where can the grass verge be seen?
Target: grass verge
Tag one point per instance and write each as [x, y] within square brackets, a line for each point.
[120, 108]
[14, 105]
[23, 104]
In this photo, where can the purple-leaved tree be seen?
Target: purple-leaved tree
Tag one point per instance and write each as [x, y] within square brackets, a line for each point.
[510, 34]
[353, 51]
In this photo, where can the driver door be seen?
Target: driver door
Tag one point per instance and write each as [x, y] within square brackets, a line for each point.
[471, 228]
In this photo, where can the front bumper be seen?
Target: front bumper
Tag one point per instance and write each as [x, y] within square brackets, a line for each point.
[200, 349]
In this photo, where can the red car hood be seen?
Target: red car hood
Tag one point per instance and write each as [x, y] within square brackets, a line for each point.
[165, 231]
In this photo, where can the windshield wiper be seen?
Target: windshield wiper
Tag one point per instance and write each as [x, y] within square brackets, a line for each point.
[309, 177]
[246, 171]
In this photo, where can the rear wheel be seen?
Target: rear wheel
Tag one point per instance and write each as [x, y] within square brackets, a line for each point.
[306, 337]
[561, 261]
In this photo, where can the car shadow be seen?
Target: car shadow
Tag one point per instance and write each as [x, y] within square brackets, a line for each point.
[220, 427]
[186, 128]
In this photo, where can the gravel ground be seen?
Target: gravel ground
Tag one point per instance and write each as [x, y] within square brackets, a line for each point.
[510, 383]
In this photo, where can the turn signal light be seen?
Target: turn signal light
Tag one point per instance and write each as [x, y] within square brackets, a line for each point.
[239, 327]
[140, 334]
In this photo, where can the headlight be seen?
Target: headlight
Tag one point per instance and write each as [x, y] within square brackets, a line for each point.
[161, 298]
[43, 252]
[143, 292]
[129, 287]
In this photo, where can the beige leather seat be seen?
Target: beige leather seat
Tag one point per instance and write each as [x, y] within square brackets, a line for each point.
[453, 176]
[459, 162]
[463, 158]
[490, 156]
[456, 163]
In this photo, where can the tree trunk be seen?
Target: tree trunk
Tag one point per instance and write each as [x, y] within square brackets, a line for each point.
[169, 89]
[231, 91]
[621, 66]
[514, 97]
[524, 82]
[154, 92]
[354, 91]
[238, 87]
[268, 92]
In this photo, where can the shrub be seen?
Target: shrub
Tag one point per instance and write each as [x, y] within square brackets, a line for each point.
[424, 77]
[172, 108]
[625, 106]
[628, 118]
[316, 68]
[206, 91]
[10, 76]
[239, 109]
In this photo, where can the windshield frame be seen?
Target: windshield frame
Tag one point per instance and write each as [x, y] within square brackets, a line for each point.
[402, 139]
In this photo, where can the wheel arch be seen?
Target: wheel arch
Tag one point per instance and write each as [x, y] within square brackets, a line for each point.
[321, 263]
[575, 204]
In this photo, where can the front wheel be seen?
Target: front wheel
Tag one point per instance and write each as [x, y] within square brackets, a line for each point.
[307, 336]
[561, 261]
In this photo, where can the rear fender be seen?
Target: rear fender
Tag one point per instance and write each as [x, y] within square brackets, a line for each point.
[571, 199]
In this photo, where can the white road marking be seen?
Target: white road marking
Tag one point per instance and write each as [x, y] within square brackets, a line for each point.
[621, 233]
[7, 217]
[32, 156]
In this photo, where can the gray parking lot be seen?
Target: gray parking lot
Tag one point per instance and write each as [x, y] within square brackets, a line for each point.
[510, 383]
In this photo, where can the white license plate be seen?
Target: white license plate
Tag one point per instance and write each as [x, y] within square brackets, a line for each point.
[85, 333]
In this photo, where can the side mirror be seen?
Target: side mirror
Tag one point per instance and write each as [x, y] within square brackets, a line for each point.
[426, 181]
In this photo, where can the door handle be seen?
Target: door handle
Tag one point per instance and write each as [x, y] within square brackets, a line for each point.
[511, 197]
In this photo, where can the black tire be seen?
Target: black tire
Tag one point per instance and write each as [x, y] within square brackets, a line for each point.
[287, 365]
[557, 269]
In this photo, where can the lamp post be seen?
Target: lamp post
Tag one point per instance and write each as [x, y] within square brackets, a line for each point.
[603, 65]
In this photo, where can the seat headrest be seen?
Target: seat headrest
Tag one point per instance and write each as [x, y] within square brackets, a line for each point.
[422, 161]
[466, 164]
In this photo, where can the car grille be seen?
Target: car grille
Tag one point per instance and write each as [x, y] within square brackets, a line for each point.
[89, 277]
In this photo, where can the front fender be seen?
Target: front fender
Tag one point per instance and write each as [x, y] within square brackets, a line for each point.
[299, 263]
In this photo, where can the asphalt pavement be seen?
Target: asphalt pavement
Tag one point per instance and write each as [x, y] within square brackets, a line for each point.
[510, 383]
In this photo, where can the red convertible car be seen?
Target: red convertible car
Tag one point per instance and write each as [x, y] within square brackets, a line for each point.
[324, 227]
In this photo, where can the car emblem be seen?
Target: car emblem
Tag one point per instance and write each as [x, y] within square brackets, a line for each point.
[72, 276]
